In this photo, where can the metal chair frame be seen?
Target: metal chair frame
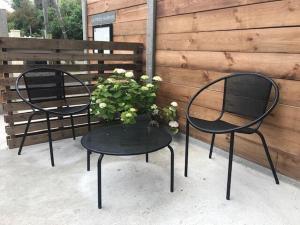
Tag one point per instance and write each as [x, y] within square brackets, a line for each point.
[39, 110]
[254, 125]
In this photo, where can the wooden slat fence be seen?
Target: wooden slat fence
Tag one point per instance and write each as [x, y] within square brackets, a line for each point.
[81, 58]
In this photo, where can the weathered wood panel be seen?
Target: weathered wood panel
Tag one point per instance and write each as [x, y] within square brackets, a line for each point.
[77, 57]
[39, 44]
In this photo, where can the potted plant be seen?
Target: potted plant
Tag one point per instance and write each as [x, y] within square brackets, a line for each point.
[120, 96]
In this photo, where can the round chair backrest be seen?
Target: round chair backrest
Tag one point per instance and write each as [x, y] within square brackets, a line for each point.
[248, 94]
[44, 84]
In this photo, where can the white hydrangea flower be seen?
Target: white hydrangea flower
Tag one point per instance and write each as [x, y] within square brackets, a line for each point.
[144, 77]
[150, 85]
[128, 115]
[153, 94]
[100, 86]
[98, 101]
[154, 106]
[93, 98]
[102, 105]
[110, 80]
[155, 112]
[144, 88]
[119, 71]
[129, 74]
[173, 124]
[132, 110]
[174, 104]
[157, 78]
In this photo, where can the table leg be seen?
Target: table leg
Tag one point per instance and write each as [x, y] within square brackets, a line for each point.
[172, 168]
[147, 157]
[88, 160]
[99, 181]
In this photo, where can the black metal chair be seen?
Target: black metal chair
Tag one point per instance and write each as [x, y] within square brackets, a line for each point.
[246, 95]
[43, 85]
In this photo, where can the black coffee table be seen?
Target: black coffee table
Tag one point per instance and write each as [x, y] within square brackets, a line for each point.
[125, 140]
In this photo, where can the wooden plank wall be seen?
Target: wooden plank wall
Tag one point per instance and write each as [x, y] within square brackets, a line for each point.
[76, 57]
[199, 41]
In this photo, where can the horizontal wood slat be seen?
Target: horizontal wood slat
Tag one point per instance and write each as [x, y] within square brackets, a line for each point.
[88, 77]
[54, 123]
[70, 91]
[14, 142]
[18, 106]
[8, 56]
[72, 68]
[175, 7]
[282, 66]
[109, 5]
[280, 40]
[50, 44]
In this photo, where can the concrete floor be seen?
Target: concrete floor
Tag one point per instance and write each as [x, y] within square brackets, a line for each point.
[134, 192]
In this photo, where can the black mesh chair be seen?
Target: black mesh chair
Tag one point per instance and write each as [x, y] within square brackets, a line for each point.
[246, 95]
[43, 85]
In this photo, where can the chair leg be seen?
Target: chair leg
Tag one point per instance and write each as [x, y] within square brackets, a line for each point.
[89, 119]
[50, 139]
[268, 156]
[25, 133]
[147, 157]
[72, 124]
[212, 145]
[99, 181]
[187, 133]
[172, 169]
[88, 160]
[230, 166]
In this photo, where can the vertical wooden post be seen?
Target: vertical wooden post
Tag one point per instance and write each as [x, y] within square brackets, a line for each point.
[138, 61]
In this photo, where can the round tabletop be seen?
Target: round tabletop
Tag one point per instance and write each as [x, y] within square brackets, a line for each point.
[119, 139]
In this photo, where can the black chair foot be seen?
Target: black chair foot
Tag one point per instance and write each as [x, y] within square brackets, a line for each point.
[186, 159]
[212, 145]
[172, 169]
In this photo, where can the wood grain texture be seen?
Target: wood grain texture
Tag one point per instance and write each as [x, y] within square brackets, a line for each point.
[280, 40]
[69, 67]
[289, 89]
[270, 14]
[283, 66]
[101, 6]
[52, 44]
[175, 7]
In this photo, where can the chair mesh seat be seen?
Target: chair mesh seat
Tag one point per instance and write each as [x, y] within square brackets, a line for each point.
[217, 126]
[68, 110]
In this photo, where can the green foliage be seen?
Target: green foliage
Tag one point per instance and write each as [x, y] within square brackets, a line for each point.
[16, 4]
[72, 20]
[166, 115]
[28, 18]
[121, 95]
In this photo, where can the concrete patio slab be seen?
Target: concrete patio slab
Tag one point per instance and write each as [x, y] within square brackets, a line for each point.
[134, 192]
